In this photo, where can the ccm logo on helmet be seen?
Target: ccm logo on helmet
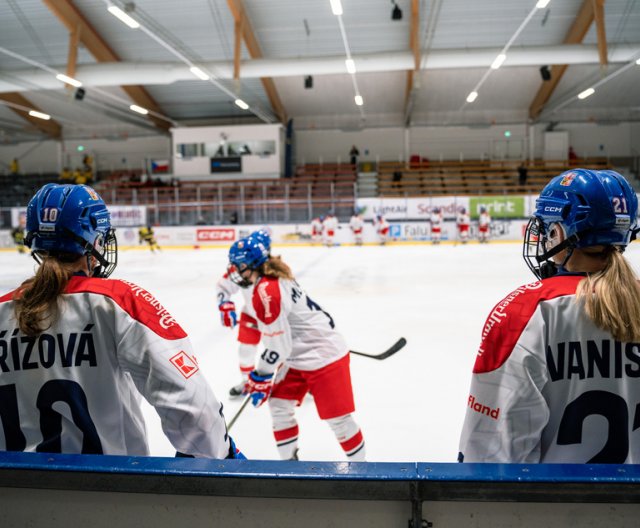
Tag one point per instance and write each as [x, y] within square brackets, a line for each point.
[550, 209]
[215, 234]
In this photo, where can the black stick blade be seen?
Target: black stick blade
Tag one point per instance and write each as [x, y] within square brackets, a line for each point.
[398, 345]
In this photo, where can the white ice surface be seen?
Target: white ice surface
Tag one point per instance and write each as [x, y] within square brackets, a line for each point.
[411, 406]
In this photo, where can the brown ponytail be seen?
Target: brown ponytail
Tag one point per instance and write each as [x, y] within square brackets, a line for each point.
[36, 301]
[275, 267]
[611, 298]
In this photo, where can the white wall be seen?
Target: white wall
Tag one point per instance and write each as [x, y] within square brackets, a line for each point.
[390, 144]
[51, 155]
[374, 143]
[595, 140]
[257, 165]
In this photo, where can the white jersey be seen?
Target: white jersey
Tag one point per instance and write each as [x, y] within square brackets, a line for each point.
[330, 224]
[316, 226]
[226, 288]
[294, 329]
[436, 219]
[549, 386]
[356, 223]
[463, 219]
[76, 387]
[381, 225]
[484, 219]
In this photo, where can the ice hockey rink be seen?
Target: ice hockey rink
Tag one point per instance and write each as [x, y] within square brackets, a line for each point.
[410, 406]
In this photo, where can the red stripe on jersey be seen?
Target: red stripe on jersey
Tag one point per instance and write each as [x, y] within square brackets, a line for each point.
[7, 296]
[285, 435]
[137, 302]
[355, 441]
[266, 299]
[510, 316]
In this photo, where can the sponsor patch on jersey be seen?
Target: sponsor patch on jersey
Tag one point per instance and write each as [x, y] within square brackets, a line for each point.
[568, 179]
[185, 364]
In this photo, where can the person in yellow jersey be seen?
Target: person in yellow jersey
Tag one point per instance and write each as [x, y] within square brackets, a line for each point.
[146, 234]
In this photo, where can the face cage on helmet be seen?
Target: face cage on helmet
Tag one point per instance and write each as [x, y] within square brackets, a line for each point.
[108, 251]
[105, 252]
[535, 253]
[235, 275]
[533, 245]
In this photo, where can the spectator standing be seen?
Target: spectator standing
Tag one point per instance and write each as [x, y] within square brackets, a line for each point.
[523, 174]
[353, 154]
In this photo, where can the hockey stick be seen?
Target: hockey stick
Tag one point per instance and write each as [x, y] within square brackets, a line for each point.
[399, 344]
[238, 413]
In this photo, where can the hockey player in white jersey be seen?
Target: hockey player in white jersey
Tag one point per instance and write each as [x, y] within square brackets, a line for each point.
[83, 346]
[316, 229]
[248, 333]
[303, 353]
[356, 224]
[329, 228]
[382, 228]
[463, 222]
[436, 225]
[484, 225]
[557, 375]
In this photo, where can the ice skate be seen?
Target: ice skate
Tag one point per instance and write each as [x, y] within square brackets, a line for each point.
[237, 390]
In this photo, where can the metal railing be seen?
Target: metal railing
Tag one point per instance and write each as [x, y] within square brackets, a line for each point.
[251, 203]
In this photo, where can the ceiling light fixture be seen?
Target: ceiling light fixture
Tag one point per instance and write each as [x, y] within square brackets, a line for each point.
[68, 80]
[497, 62]
[542, 4]
[358, 99]
[139, 109]
[586, 93]
[638, 62]
[336, 7]
[123, 17]
[351, 65]
[39, 115]
[242, 104]
[199, 73]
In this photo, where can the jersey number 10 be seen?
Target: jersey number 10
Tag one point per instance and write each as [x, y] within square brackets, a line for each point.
[65, 391]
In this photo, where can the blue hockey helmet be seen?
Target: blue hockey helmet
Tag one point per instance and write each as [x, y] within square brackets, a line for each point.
[594, 208]
[67, 221]
[246, 254]
[262, 235]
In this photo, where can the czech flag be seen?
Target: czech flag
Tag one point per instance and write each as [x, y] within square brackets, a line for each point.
[158, 166]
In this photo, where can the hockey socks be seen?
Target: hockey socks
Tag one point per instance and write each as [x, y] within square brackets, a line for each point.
[349, 436]
[287, 442]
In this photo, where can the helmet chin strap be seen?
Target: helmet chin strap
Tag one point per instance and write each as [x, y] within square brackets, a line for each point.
[548, 268]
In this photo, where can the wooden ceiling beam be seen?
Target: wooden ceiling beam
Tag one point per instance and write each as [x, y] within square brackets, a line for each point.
[73, 20]
[575, 35]
[50, 126]
[598, 14]
[237, 10]
[414, 45]
[237, 50]
[72, 57]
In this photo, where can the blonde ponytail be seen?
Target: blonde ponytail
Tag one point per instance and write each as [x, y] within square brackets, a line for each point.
[275, 267]
[36, 301]
[611, 298]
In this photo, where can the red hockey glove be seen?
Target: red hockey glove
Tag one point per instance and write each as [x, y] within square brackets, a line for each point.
[258, 387]
[228, 314]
